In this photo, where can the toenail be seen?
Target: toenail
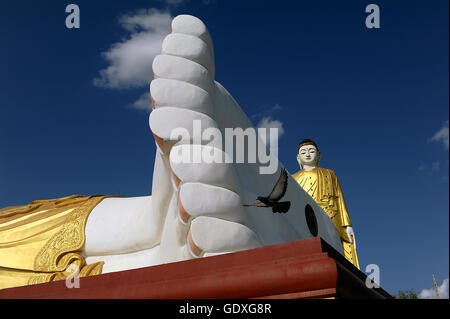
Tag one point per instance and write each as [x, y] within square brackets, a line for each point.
[153, 102]
[183, 213]
[193, 247]
[159, 141]
[176, 179]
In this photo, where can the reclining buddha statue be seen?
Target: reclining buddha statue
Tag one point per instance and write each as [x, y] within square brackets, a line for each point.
[196, 208]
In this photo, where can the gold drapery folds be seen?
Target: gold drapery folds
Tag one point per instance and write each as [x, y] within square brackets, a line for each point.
[323, 186]
[40, 240]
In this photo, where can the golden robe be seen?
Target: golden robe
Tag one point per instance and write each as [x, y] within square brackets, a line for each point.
[323, 186]
[40, 240]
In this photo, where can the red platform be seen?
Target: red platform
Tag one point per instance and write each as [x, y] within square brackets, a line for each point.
[307, 268]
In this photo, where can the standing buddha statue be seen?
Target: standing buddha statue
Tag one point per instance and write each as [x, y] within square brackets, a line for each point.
[323, 186]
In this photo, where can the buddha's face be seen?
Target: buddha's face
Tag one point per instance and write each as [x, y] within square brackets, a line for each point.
[308, 155]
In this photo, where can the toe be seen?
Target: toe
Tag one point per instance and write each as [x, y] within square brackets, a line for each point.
[175, 124]
[166, 92]
[189, 47]
[197, 199]
[213, 235]
[187, 24]
[178, 68]
[218, 172]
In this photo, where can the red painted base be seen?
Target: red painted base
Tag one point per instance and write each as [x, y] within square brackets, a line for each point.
[307, 268]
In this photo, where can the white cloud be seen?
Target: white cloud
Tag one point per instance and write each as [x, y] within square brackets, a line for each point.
[143, 103]
[442, 135]
[422, 167]
[276, 107]
[174, 2]
[130, 61]
[431, 293]
[268, 122]
[436, 166]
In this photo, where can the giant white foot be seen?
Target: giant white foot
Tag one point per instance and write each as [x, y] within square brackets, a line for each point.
[199, 206]
[209, 216]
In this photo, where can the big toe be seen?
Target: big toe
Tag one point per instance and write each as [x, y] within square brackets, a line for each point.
[190, 39]
[187, 24]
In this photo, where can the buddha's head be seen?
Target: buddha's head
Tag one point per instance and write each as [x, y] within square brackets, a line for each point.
[308, 155]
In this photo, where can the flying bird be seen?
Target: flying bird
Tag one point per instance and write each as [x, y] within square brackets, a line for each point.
[272, 200]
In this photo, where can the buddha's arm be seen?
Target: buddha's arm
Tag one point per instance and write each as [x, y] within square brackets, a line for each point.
[345, 219]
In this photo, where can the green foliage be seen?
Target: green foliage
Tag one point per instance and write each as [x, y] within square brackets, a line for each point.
[408, 294]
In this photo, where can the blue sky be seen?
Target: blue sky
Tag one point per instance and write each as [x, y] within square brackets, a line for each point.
[373, 99]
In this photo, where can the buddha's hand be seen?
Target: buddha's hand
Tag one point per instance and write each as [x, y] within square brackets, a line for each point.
[198, 194]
